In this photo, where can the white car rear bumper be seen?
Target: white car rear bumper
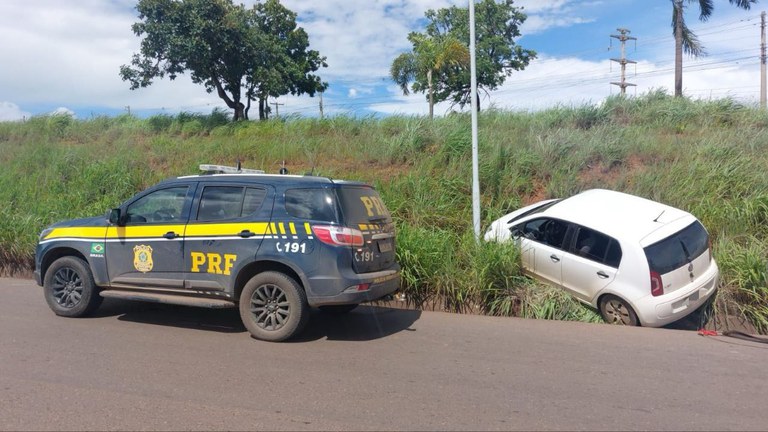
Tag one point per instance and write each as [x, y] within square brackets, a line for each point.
[662, 310]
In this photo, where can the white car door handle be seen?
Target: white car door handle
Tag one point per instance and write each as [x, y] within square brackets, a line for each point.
[602, 275]
[554, 258]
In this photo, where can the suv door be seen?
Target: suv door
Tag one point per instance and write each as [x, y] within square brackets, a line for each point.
[592, 263]
[148, 250]
[226, 228]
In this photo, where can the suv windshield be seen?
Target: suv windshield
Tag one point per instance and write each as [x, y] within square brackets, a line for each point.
[678, 249]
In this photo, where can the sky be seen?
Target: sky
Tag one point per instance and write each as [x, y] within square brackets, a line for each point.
[64, 56]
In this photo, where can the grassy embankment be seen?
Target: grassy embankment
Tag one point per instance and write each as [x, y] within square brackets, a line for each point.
[710, 158]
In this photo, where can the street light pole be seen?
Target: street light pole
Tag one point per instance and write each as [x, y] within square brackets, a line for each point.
[473, 79]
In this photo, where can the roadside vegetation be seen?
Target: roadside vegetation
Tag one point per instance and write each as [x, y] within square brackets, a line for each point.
[706, 157]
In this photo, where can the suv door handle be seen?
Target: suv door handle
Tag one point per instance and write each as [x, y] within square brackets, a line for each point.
[602, 275]
[554, 258]
[170, 235]
[246, 234]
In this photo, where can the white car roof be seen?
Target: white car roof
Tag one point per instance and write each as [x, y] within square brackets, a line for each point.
[620, 215]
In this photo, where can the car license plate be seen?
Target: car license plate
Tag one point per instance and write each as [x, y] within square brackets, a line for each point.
[385, 246]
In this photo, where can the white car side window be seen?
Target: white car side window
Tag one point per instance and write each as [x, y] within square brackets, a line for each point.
[544, 230]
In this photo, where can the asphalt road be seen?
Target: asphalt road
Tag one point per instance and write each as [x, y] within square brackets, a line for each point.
[138, 366]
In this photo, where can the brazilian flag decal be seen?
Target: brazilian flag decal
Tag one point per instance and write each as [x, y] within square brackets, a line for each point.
[97, 248]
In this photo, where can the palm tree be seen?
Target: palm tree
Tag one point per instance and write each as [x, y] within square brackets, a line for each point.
[685, 39]
[429, 57]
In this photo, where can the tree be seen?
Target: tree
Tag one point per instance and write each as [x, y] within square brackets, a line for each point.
[224, 47]
[429, 58]
[497, 54]
[685, 40]
[289, 64]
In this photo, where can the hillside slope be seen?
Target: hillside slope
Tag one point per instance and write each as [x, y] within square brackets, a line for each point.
[709, 158]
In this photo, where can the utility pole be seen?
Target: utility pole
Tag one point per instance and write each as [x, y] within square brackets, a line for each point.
[277, 110]
[128, 108]
[321, 105]
[623, 60]
[762, 60]
[473, 95]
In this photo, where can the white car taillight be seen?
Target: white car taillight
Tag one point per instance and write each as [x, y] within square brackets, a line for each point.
[338, 236]
[657, 286]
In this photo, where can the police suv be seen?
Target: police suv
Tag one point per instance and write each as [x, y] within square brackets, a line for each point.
[272, 244]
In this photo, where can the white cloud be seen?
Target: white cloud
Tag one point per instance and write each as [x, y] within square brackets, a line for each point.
[546, 14]
[11, 112]
[360, 38]
[63, 111]
[352, 93]
[66, 52]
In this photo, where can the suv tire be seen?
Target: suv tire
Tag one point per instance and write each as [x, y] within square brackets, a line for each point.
[273, 307]
[69, 288]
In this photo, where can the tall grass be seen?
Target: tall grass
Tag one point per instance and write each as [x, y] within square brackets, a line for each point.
[707, 157]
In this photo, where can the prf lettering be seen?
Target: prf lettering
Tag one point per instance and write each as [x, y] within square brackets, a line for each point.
[373, 205]
[214, 262]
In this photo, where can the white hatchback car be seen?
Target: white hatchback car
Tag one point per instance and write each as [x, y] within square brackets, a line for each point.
[637, 261]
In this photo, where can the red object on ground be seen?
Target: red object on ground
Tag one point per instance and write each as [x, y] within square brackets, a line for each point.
[704, 332]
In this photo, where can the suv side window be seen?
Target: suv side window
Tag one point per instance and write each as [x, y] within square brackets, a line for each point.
[220, 202]
[164, 205]
[311, 204]
[254, 198]
[228, 202]
[598, 247]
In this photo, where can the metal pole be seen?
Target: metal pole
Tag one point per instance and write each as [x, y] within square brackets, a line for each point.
[762, 61]
[473, 79]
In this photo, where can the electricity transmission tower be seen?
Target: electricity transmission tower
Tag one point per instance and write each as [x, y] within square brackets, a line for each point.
[623, 61]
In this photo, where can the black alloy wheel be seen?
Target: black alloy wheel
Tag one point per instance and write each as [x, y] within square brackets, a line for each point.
[273, 307]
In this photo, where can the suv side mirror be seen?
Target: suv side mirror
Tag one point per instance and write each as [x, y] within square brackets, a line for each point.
[115, 217]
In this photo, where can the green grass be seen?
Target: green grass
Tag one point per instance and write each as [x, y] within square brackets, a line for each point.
[706, 157]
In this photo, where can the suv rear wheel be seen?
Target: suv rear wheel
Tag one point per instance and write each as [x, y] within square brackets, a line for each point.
[69, 288]
[273, 307]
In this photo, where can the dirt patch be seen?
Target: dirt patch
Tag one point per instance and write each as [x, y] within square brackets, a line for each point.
[599, 172]
[539, 192]
[368, 170]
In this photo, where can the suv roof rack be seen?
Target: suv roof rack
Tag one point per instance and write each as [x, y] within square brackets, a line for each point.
[223, 169]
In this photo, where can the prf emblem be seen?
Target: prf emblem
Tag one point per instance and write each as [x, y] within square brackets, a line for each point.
[374, 206]
[142, 258]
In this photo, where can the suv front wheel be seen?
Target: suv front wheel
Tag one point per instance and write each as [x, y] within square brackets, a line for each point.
[273, 307]
[69, 288]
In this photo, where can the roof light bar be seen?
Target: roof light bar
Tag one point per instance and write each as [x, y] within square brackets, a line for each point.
[222, 169]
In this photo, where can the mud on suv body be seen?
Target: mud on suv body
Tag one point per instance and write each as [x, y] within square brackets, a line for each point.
[273, 244]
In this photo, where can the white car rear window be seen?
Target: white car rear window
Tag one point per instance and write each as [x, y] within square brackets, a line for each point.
[677, 250]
